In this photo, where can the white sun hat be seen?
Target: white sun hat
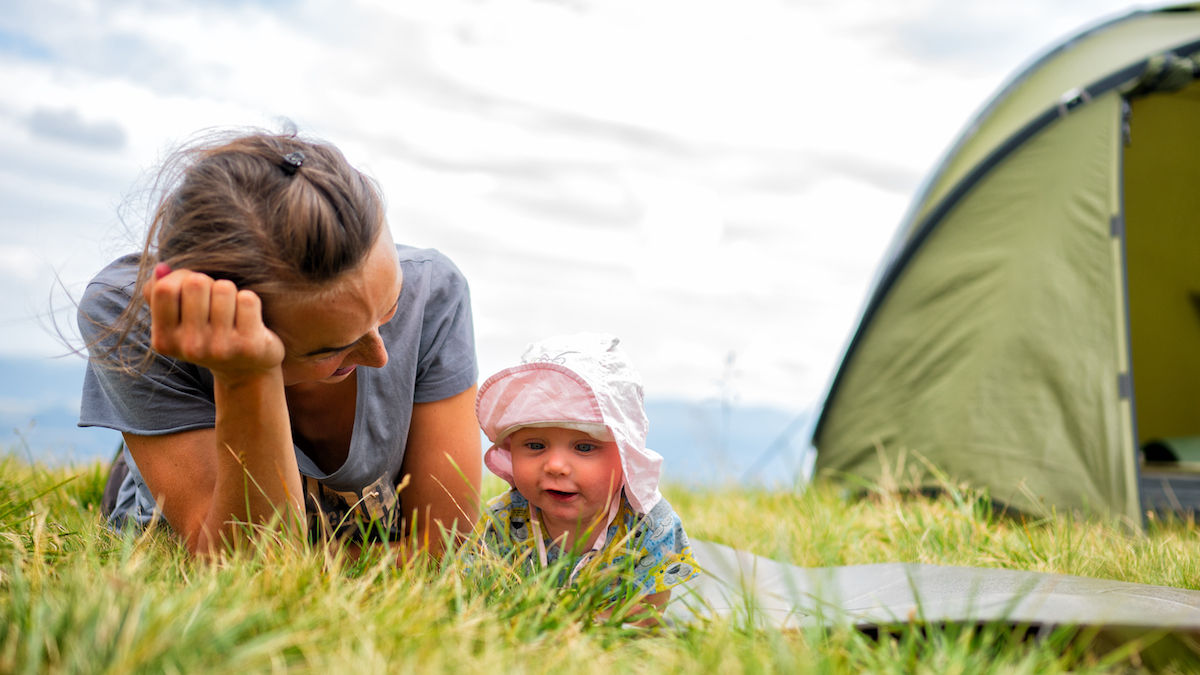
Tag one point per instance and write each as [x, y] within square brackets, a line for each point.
[583, 382]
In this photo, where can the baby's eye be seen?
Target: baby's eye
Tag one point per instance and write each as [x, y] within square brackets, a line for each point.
[534, 445]
[585, 447]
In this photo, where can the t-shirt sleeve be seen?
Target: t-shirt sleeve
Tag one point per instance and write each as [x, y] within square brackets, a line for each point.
[168, 397]
[446, 365]
[665, 554]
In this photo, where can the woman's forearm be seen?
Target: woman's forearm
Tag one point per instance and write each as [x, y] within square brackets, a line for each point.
[443, 467]
[244, 470]
[257, 478]
[210, 483]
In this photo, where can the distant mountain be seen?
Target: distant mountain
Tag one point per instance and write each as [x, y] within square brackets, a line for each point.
[39, 409]
[701, 443]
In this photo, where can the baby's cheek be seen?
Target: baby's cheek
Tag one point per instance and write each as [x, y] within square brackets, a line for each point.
[522, 479]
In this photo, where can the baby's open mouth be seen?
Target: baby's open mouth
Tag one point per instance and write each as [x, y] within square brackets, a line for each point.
[559, 494]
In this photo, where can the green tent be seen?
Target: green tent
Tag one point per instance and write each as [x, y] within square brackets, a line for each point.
[1037, 318]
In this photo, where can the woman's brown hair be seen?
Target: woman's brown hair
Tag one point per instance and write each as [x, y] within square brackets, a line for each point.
[271, 213]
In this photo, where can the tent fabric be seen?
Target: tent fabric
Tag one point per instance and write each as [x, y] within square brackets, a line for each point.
[1162, 204]
[741, 586]
[1074, 64]
[996, 356]
[1037, 318]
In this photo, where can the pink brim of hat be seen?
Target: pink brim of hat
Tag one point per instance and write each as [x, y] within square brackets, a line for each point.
[529, 394]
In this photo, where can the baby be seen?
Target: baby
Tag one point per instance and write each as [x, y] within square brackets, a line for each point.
[569, 434]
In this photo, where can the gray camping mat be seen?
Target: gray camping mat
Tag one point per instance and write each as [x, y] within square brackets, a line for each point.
[773, 594]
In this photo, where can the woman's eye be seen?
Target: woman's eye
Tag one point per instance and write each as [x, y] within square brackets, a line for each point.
[330, 356]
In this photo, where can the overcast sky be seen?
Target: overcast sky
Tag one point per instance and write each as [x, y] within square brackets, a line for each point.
[698, 177]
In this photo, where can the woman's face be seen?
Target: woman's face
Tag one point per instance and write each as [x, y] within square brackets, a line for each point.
[328, 334]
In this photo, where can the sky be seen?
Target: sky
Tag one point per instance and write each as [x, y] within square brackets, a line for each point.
[713, 181]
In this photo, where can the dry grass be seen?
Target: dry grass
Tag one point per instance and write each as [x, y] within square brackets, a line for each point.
[77, 598]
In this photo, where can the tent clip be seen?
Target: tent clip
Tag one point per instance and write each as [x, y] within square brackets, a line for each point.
[1072, 99]
[1167, 71]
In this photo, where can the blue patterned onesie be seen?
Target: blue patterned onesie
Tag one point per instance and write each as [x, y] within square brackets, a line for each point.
[656, 541]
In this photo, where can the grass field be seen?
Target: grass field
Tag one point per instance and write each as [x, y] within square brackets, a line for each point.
[77, 598]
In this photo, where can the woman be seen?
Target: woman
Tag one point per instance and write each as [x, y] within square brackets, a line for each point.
[272, 354]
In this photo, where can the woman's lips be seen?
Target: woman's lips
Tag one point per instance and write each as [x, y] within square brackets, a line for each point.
[342, 371]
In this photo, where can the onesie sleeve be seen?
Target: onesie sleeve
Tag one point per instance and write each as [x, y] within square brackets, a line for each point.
[494, 527]
[502, 533]
[665, 554]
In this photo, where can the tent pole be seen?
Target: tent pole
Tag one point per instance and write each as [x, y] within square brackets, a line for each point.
[1126, 388]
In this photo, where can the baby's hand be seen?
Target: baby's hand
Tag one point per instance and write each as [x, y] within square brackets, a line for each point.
[647, 614]
[210, 323]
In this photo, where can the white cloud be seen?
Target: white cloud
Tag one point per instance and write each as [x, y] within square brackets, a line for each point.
[699, 177]
[18, 264]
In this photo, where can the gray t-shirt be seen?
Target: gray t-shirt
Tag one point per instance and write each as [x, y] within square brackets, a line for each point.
[431, 356]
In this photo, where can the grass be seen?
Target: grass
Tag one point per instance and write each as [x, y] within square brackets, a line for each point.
[77, 598]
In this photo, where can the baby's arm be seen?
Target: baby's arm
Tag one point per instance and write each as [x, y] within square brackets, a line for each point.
[657, 600]
[646, 614]
[664, 546]
[651, 609]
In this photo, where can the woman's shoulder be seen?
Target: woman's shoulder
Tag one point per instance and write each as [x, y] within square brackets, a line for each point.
[119, 275]
[437, 261]
[434, 273]
[415, 254]
[108, 293]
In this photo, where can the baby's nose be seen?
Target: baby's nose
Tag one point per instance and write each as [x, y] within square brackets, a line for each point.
[557, 464]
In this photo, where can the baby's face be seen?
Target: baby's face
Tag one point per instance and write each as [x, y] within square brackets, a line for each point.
[570, 476]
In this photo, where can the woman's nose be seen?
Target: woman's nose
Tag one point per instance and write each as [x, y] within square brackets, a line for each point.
[371, 351]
